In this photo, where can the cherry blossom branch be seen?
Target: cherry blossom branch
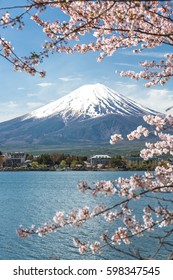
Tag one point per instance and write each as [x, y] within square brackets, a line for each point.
[121, 235]
[162, 243]
[137, 254]
[77, 218]
[146, 24]
[19, 64]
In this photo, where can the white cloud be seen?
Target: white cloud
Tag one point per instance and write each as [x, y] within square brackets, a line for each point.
[129, 86]
[145, 53]
[9, 110]
[127, 64]
[156, 99]
[11, 104]
[123, 87]
[119, 83]
[33, 94]
[69, 79]
[160, 99]
[34, 105]
[45, 84]
[20, 88]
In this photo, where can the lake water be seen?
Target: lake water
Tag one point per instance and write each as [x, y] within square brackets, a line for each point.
[28, 198]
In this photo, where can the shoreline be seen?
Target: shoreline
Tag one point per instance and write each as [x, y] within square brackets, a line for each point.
[66, 170]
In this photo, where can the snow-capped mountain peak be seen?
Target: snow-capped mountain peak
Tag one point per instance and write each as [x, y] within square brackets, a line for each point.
[87, 116]
[89, 101]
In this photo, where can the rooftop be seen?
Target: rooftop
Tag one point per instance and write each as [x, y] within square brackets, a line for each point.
[101, 156]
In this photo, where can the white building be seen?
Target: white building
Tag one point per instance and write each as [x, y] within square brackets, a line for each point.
[15, 159]
[100, 160]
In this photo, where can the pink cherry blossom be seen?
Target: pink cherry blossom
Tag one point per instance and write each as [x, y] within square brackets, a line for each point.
[112, 25]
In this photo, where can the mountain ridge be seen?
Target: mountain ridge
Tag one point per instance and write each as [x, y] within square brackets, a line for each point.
[89, 115]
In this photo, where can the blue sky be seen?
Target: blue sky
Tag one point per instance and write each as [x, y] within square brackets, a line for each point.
[21, 93]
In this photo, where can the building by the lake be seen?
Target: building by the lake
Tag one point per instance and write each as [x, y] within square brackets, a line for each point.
[100, 160]
[15, 159]
[140, 162]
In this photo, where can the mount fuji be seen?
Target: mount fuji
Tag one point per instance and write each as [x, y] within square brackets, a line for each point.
[89, 101]
[87, 115]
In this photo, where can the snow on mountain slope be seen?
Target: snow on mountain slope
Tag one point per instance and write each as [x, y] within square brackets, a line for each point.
[86, 116]
[89, 101]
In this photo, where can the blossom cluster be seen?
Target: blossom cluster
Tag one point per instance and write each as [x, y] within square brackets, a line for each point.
[164, 143]
[6, 46]
[138, 133]
[160, 122]
[87, 247]
[115, 138]
[120, 235]
[5, 19]
[161, 73]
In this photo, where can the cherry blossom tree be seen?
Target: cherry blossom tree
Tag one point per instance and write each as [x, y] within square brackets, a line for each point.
[155, 188]
[111, 25]
[108, 27]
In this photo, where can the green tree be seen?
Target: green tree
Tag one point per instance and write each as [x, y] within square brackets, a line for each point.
[74, 163]
[63, 163]
[45, 159]
[117, 162]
